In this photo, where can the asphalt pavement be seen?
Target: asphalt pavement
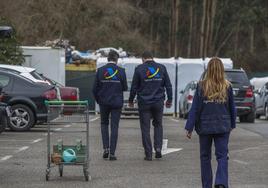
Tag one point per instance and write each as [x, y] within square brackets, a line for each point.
[23, 158]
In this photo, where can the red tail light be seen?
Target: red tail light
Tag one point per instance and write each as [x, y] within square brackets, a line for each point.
[249, 93]
[50, 94]
[73, 96]
[190, 98]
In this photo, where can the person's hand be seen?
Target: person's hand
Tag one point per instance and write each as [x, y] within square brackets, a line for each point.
[188, 134]
[168, 104]
[131, 104]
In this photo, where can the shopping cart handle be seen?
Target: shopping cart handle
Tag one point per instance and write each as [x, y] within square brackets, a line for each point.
[66, 102]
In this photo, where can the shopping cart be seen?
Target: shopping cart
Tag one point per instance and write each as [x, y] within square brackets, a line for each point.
[66, 112]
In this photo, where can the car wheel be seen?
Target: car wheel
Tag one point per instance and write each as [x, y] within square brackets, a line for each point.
[250, 118]
[21, 118]
[242, 119]
[266, 112]
[258, 116]
[180, 114]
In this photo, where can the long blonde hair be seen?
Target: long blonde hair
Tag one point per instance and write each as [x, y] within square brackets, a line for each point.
[214, 84]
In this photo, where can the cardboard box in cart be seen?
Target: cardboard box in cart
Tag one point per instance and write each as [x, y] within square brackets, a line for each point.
[48, 61]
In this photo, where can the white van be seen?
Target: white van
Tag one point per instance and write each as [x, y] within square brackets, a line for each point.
[170, 64]
[188, 70]
[227, 62]
[129, 64]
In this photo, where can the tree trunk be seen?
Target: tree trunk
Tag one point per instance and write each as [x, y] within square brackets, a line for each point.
[265, 30]
[207, 28]
[152, 33]
[190, 30]
[213, 13]
[170, 37]
[236, 41]
[251, 47]
[224, 42]
[202, 31]
[177, 3]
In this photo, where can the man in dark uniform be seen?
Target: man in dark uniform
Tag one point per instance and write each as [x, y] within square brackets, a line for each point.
[149, 82]
[108, 90]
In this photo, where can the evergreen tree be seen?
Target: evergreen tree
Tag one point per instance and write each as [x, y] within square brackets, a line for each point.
[10, 51]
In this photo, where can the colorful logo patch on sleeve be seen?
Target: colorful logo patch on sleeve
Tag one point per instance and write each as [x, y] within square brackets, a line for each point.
[109, 73]
[152, 73]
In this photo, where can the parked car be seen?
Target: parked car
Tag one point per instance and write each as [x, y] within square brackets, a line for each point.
[66, 93]
[186, 99]
[27, 72]
[26, 99]
[243, 94]
[5, 31]
[261, 96]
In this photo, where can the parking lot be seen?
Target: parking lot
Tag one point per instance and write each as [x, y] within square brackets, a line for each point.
[23, 158]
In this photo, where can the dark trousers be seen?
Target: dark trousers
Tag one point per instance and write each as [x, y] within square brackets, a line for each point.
[146, 112]
[105, 112]
[221, 151]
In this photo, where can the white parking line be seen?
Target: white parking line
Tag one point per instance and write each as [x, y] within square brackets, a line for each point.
[66, 126]
[250, 148]
[94, 119]
[176, 120]
[37, 140]
[14, 140]
[5, 158]
[9, 148]
[58, 129]
[240, 162]
[22, 149]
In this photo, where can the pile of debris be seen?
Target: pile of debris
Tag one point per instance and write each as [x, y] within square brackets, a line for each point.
[73, 56]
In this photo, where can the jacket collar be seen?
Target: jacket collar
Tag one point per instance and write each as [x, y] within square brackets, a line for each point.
[149, 61]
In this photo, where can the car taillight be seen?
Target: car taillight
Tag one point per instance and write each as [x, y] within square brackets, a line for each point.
[50, 94]
[73, 98]
[249, 93]
[190, 98]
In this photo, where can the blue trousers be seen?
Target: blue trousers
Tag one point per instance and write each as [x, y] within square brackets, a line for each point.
[146, 112]
[221, 151]
[105, 112]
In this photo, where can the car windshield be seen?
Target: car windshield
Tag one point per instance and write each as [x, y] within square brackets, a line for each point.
[237, 77]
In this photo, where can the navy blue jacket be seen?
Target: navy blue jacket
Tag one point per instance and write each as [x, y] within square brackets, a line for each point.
[215, 118]
[149, 82]
[110, 82]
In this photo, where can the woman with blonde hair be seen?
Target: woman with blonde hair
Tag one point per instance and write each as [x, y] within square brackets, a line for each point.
[213, 116]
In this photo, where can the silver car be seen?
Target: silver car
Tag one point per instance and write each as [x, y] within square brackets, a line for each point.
[186, 99]
[261, 97]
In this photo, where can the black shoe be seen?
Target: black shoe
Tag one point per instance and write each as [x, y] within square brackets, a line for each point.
[219, 186]
[113, 157]
[158, 155]
[146, 158]
[105, 154]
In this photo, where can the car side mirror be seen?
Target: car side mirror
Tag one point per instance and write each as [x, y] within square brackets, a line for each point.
[181, 92]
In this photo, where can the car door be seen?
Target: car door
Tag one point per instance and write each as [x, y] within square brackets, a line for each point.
[265, 97]
[257, 95]
[6, 85]
[185, 95]
[261, 100]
